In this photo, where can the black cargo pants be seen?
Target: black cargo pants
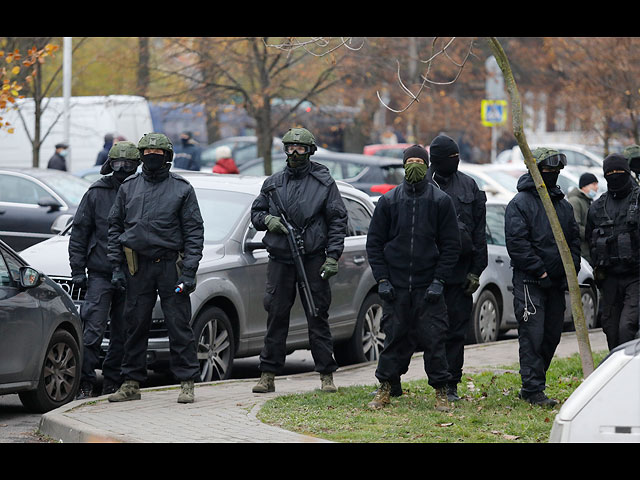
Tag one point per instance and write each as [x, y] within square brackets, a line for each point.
[459, 307]
[414, 323]
[158, 277]
[279, 298]
[620, 308]
[102, 303]
[540, 316]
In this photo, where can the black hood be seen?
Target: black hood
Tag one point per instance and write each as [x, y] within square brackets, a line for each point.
[526, 183]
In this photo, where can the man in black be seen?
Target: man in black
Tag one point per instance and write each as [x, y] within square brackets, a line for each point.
[88, 253]
[313, 205]
[612, 233]
[539, 279]
[413, 244]
[470, 204]
[156, 229]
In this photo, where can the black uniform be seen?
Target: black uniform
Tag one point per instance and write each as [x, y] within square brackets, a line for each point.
[313, 204]
[88, 250]
[471, 211]
[156, 214]
[533, 251]
[612, 234]
[413, 239]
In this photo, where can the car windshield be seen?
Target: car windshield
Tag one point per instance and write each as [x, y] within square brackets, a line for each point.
[68, 186]
[221, 211]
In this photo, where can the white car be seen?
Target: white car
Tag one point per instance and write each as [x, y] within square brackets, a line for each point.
[605, 408]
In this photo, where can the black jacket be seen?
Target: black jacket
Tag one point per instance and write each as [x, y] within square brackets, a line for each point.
[312, 203]
[89, 235]
[57, 162]
[471, 210]
[156, 215]
[413, 236]
[529, 237]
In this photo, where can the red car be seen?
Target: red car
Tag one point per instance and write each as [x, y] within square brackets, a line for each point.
[387, 149]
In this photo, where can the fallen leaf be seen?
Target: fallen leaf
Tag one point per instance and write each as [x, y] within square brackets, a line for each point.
[445, 424]
[511, 437]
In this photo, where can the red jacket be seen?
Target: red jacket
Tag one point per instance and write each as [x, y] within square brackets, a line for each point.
[225, 165]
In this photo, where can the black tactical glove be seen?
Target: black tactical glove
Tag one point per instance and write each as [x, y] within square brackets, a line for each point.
[80, 281]
[186, 284]
[434, 292]
[386, 291]
[471, 284]
[118, 280]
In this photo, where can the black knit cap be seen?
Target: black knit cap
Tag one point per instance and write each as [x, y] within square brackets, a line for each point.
[443, 147]
[587, 179]
[415, 151]
[615, 162]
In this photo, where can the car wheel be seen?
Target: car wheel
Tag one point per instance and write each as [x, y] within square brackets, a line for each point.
[59, 377]
[368, 338]
[485, 319]
[215, 344]
[590, 308]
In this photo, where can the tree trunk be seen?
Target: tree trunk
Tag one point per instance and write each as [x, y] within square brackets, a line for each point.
[264, 132]
[142, 79]
[582, 334]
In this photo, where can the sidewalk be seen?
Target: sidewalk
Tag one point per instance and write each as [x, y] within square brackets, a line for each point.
[225, 411]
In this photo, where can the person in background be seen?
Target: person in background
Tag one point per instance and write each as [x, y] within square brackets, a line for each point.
[224, 161]
[187, 154]
[57, 161]
[632, 154]
[580, 199]
[103, 154]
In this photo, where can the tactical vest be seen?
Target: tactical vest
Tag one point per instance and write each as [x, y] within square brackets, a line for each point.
[616, 241]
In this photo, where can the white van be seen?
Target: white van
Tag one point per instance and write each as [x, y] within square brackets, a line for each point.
[91, 118]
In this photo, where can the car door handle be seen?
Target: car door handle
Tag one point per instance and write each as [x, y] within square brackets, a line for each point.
[358, 260]
[499, 260]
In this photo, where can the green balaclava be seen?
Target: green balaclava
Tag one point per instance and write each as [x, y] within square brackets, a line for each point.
[415, 172]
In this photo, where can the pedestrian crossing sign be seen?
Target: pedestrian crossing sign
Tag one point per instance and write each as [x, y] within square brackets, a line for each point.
[493, 112]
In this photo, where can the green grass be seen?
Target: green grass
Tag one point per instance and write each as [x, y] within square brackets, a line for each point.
[489, 412]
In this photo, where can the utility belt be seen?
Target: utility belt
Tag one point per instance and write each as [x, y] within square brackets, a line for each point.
[133, 259]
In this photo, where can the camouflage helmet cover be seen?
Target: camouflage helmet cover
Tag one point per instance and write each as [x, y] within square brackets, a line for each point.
[632, 151]
[300, 136]
[155, 140]
[122, 149]
[542, 156]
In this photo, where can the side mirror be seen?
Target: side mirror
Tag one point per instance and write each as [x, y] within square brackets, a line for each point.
[61, 223]
[50, 202]
[251, 245]
[254, 240]
[29, 277]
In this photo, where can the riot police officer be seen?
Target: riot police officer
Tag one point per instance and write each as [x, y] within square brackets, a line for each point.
[88, 253]
[413, 244]
[470, 204]
[539, 279]
[156, 238]
[309, 197]
[612, 233]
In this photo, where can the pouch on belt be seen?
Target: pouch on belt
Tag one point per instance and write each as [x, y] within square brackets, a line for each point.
[132, 260]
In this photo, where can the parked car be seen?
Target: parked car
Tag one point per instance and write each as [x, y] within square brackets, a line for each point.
[371, 174]
[90, 174]
[243, 149]
[493, 301]
[228, 319]
[604, 408]
[40, 336]
[395, 150]
[31, 199]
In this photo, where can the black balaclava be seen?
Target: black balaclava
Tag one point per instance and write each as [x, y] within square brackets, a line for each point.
[153, 161]
[550, 179]
[445, 155]
[619, 184]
